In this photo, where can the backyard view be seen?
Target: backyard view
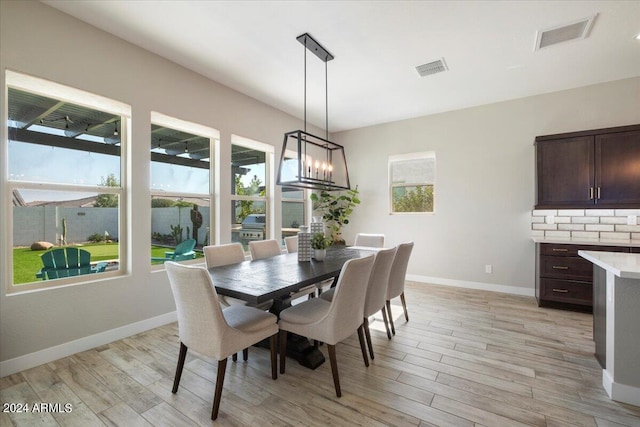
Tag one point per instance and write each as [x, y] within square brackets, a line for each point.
[27, 262]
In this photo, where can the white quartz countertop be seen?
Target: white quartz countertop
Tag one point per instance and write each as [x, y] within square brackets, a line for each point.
[621, 264]
[595, 242]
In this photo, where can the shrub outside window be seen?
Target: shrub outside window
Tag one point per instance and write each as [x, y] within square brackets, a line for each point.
[412, 182]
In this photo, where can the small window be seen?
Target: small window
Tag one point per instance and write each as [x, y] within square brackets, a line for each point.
[251, 168]
[412, 182]
[181, 188]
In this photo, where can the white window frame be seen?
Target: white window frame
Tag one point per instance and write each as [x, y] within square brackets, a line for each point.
[268, 185]
[76, 96]
[403, 158]
[164, 120]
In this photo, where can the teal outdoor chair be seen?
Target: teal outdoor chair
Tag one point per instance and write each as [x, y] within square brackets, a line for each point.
[66, 262]
[182, 252]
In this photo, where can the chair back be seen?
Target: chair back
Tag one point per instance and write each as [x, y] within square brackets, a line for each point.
[399, 270]
[65, 262]
[201, 324]
[347, 306]
[264, 249]
[185, 246]
[378, 282]
[219, 255]
[292, 244]
[369, 240]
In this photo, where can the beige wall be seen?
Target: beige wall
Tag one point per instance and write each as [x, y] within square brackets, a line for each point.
[484, 190]
[484, 180]
[41, 41]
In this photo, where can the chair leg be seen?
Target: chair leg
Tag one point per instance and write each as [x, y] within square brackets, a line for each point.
[283, 350]
[234, 357]
[245, 354]
[181, 357]
[334, 368]
[273, 344]
[222, 367]
[386, 322]
[367, 334]
[393, 329]
[404, 306]
[364, 351]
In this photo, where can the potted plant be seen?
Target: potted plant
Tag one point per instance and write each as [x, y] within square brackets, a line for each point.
[319, 244]
[336, 208]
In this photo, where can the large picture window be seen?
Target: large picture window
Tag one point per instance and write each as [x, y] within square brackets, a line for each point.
[251, 169]
[65, 173]
[181, 159]
[412, 182]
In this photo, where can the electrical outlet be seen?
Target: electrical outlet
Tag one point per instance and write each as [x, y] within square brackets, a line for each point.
[488, 268]
[632, 220]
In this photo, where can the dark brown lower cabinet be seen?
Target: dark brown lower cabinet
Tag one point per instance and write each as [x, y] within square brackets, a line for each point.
[564, 280]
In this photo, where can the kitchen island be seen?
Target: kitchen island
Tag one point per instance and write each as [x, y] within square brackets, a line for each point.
[617, 322]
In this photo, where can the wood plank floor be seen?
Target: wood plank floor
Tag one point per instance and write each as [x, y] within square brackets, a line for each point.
[465, 358]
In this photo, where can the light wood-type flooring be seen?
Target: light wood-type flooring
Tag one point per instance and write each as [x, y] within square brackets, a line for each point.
[465, 358]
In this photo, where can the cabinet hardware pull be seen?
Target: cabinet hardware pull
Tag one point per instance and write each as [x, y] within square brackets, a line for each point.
[562, 291]
[598, 193]
[560, 250]
[590, 193]
[560, 267]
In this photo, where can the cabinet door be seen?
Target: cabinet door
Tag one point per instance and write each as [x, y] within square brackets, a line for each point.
[618, 168]
[565, 172]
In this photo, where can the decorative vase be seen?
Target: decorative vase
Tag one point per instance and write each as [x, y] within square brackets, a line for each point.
[319, 254]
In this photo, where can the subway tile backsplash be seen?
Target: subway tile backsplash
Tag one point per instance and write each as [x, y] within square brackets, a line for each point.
[609, 224]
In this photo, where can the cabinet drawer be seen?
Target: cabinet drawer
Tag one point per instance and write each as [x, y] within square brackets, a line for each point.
[570, 291]
[566, 268]
[553, 249]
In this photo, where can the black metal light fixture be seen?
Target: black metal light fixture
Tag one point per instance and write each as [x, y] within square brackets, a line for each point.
[307, 160]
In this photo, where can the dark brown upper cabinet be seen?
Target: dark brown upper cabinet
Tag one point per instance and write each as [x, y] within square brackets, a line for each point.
[590, 169]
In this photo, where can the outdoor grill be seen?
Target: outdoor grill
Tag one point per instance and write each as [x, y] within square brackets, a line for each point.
[253, 228]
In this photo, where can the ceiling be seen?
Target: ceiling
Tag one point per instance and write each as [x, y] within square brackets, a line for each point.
[488, 47]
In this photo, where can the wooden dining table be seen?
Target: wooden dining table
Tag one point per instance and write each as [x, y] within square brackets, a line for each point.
[276, 278]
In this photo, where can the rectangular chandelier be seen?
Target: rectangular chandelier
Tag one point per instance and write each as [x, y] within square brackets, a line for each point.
[308, 161]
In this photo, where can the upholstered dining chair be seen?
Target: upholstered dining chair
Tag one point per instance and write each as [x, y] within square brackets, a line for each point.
[291, 243]
[264, 249]
[226, 254]
[205, 327]
[331, 322]
[369, 240]
[396, 281]
[376, 291]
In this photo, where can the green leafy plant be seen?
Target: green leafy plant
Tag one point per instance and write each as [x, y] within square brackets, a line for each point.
[320, 241]
[107, 200]
[336, 208]
[418, 200]
[95, 238]
[176, 232]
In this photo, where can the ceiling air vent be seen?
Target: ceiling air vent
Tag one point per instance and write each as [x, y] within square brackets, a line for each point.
[572, 31]
[432, 67]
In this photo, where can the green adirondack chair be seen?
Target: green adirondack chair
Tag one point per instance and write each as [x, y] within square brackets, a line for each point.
[66, 262]
[182, 252]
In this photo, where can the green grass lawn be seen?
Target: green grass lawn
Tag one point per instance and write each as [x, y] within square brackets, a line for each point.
[26, 263]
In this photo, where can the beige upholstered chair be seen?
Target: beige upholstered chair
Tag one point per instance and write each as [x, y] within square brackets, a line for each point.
[396, 281]
[331, 322]
[376, 291]
[230, 253]
[370, 240]
[203, 326]
[292, 244]
[219, 255]
[264, 249]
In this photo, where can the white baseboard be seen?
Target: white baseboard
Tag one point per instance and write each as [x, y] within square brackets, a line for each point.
[515, 290]
[50, 354]
[620, 392]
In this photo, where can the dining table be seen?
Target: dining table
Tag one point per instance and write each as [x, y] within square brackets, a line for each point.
[276, 278]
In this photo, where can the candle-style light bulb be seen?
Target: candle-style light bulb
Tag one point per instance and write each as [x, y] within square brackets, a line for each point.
[317, 167]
